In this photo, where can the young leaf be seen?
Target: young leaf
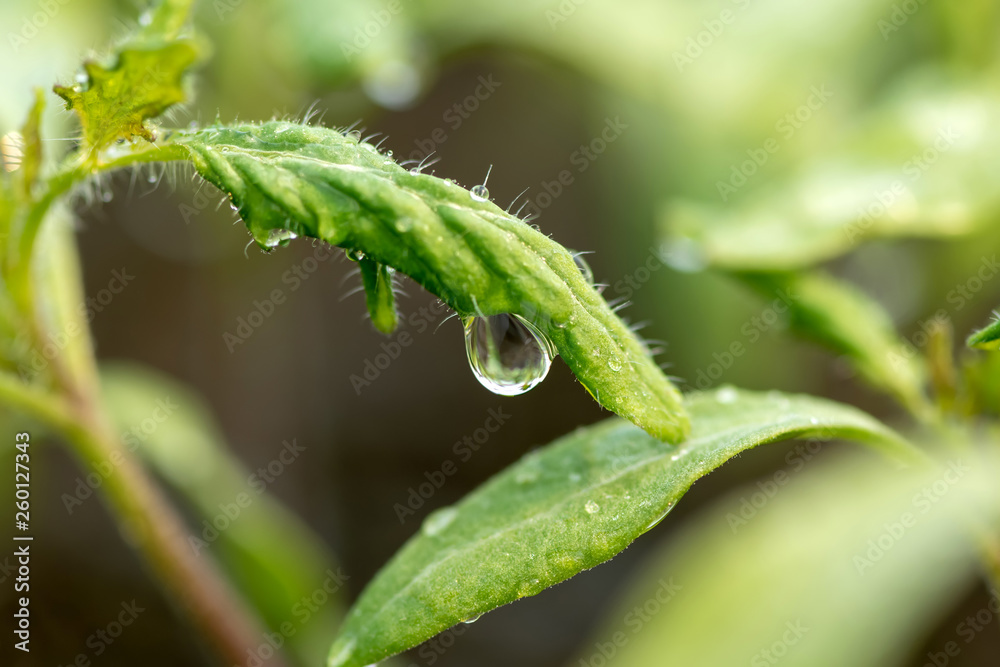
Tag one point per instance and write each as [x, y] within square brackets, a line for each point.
[379, 297]
[849, 322]
[477, 258]
[566, 508]
[987, 338]
[853, 558]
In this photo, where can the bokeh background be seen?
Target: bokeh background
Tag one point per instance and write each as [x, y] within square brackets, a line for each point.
[559, 73]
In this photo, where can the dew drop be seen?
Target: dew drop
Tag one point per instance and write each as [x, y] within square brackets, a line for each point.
[615, 363]
[581, 263]
[479, 193]
[81, 78]
[472, 619]
[279, 237]
[528, 588]
[508, 354]
[813, 421]
[106, 196]
[592, 507]
[354, 254]
[726, 395]
[660, 518]
[438, 520]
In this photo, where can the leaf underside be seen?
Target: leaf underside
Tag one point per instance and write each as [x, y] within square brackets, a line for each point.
[478, 259]
[566, 508]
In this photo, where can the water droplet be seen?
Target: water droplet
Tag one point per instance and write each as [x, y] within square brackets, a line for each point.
[581, 263]
[526, 475]
[106, 196]
[592, 507]
[354, 254]
[813, 421]
[81, 78]
[657, 520]
[675, 457]
[508, 355]
[279, 237]
[727, 394]
[615, 364]
[438, 520]
[472, 619]
[683, 254]
[529, 588]
[479, 193]
[145, 19]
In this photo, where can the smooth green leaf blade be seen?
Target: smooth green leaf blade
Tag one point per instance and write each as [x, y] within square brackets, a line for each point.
[566, 508]
[987, 338]
[848, 321]
[828, 555]
[478, 259]
[116, 101]
[270, 555]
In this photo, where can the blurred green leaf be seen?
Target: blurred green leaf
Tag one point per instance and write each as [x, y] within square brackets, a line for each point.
[923, 164]
[566, 508]
[848, 321]
[271, 556]
[848, 564]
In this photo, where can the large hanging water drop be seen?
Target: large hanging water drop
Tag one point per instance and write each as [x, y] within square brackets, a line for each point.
[507, 353]
[279, 237]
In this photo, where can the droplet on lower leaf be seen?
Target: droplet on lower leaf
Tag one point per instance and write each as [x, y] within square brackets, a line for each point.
[279, 237]
[655, 522]
[479, 193]
[508, 354]
[726, 394]
[472, 619]
[592, 507]
[354, 254]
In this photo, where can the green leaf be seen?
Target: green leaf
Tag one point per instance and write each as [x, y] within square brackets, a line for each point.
[848, 321]
[827, 554]
[379, 297]
[478, 259]
[921, 165]
[987, 338]
[568, 507]
[271, 556]
[116, 101]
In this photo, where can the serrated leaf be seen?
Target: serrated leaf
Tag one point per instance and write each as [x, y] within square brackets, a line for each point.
[478, 259]
[923, 164]
[565, 508]
[987, 338]
[855, 559]
[848, 321]
[115, 101]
